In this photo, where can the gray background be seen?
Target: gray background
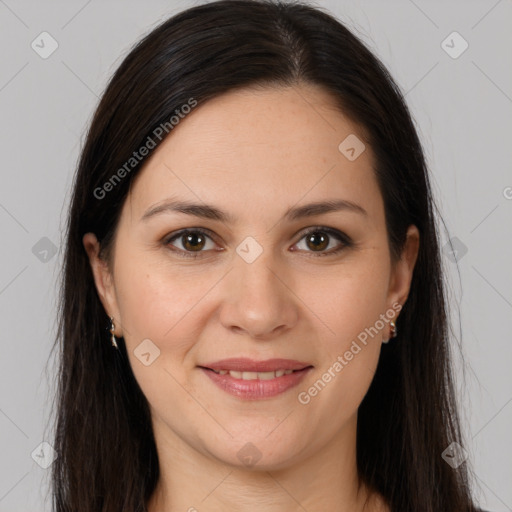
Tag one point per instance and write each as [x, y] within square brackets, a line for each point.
[463, 110]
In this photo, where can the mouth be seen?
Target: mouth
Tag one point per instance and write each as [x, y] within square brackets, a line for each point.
[247, 375]
[247, 365]
[253, 380]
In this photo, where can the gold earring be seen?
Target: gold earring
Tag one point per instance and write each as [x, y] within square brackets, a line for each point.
[112, 329]
[393, 331]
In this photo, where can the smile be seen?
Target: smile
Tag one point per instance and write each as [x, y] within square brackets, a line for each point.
[254, 375]
[256, 385]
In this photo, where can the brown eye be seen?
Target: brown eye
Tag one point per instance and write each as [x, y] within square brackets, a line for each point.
[190, 242]
[318, 239]
[193, 241]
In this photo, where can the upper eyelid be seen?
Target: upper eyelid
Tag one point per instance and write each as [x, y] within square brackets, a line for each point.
[301, 233]
[181, 232]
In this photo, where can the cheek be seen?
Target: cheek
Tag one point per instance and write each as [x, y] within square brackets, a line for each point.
[159, 305]
[348, 363]
[154, 294]
[164, 304]
[348, 300]
[350, 303]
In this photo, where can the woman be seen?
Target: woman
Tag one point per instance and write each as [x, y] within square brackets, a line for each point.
[253, 314]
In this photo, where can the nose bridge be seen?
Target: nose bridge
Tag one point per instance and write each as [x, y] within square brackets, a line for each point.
[256, 270]
[256, 299]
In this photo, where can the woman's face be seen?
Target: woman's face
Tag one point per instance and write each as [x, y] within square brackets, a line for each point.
[249, 282]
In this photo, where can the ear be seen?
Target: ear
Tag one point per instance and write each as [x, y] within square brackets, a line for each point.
[401, 274]
[103, 280]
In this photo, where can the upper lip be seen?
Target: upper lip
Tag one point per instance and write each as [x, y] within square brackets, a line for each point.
[242, 364]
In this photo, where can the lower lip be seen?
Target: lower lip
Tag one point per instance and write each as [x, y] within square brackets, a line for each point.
[256, 389]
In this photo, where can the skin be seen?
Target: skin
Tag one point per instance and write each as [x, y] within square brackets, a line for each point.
[254, 154]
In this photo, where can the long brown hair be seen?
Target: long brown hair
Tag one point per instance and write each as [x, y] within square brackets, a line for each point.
[107, 455]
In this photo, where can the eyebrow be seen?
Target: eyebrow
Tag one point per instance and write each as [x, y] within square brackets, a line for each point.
[211, 212]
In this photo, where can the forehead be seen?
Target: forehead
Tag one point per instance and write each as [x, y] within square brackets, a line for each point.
[260, 148]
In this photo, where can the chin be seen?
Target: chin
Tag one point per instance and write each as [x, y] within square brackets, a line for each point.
[259, 453]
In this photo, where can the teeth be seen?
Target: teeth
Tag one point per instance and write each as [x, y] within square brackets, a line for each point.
[267, 375]
[254, 375]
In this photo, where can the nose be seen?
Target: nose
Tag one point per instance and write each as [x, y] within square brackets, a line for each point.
[258, 301]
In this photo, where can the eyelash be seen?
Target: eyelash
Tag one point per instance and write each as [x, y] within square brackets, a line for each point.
[346, 242]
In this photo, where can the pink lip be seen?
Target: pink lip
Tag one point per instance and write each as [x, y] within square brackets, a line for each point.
[256, 389]
[242, 364]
